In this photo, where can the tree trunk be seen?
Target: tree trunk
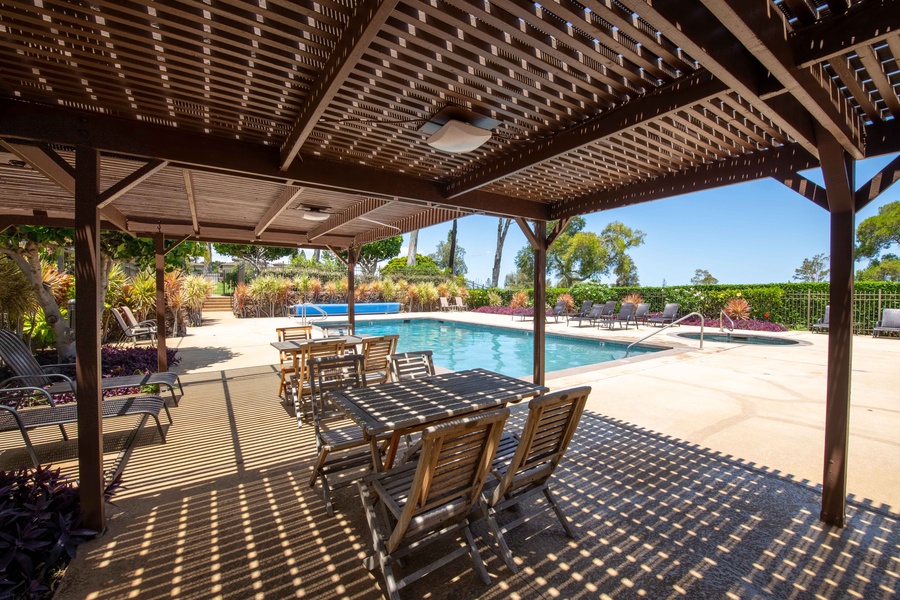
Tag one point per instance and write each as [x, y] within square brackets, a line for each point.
[29, 261]
[452, 258]
[502, 229]
[411, 255]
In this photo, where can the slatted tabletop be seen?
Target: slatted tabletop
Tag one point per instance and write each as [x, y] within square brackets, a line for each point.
[407, 404]
[294, 345]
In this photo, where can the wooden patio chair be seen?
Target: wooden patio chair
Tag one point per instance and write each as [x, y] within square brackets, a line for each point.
[300, 381]
[417, 504]
[30, 373]
[340, 443]
[377, 351]
[286, 359]
[411, 365]
[136, 334]
[524, 465]
[669, 315]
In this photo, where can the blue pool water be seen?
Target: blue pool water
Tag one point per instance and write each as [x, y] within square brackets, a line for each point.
[459, 346]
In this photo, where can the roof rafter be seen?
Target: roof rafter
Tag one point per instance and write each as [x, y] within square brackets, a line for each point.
[700, 34]
[806, 188]
[864, 24]
[762, 30]
[787, 159]
[882, 180]
[202, 152]
[354, 212]
[192, 200]
[123, 186]
[663, 101]
[288, 195]
[367, 19]
[420, 220]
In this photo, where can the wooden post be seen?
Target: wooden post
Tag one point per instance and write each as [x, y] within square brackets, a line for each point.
[837, 169]
[352, 258]
[540, 299]
[87, 343]
[159, 243]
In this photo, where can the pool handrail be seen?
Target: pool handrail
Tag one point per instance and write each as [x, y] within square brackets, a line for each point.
[673, 323]
[721, 326]
[303, 307]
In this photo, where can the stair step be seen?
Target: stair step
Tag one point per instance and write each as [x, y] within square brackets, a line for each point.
[217, 304]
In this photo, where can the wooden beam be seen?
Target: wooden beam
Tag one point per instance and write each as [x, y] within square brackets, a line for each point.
[762, 30]
[352, 258]
[533, 240]
[123, 186]
[344, 217]
[192, 201]
[288, 195]
[699, 33]
[199, 151]
[837, 169]
[865, 24]
[41, 159]
[364, 24]
[876, 186]
[91, 484]
[806, 188]
[804, 10]
[786, 161]
[420, 220]
[114, 216]
[174, 245]
[540, 299]
[159, 245]
[883, 138]
[557, 230]
[667, 100]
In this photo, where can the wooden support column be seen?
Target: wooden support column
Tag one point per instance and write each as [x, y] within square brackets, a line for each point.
[540, 300]
[159, 243]
[352, 259]
[87, 342]
[837, 169]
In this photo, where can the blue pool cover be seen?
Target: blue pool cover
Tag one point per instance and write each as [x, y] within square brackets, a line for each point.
[362, 308]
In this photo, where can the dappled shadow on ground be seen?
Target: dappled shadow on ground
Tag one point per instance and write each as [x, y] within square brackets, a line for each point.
[224, 510]
[191, 359]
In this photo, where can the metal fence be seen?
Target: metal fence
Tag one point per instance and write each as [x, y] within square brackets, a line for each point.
[801, 310]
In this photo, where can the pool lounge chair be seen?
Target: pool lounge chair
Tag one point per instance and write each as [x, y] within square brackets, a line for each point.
[30, 373]
[560, 310]
[822, 324]
[624, 316]
[641, 313]
[585, 309]
[445, 304]
[460, 305]
[889, 323]
[669, 315]
[136, 333]
[596, 313]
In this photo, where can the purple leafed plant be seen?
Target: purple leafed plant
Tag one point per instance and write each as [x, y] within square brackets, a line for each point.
[40, 527]
[747, 325]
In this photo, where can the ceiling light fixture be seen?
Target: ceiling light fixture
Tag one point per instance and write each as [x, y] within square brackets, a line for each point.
[315, 214]
[458, 130]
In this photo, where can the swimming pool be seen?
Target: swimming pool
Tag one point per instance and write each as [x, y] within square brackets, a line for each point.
[458, 346]
[741, 338]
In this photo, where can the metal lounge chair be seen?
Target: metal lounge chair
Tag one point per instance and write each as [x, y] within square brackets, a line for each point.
[340, 443]
[668, 316]
[560, 310]
[135, 333]
[625, 315]
[593, 315]
[524, 465]
[641, 313]
[286, 359]
[411, 365]
[13, 416]
[585, 309]
[376, 351]
[460, 305]
[417, 504]
[889, 323]
[822, 324]
[445, 304]
[133, 322]
[30, 373]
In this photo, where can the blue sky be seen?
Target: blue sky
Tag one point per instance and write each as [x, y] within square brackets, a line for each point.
[756, 232]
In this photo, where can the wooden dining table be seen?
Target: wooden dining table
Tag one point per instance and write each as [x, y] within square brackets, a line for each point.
[403, 407]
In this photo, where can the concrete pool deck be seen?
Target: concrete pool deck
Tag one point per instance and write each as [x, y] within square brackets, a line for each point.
[762, 404]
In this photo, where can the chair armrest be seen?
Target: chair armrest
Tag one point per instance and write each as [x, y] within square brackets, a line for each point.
[48, 376]
[21, 394]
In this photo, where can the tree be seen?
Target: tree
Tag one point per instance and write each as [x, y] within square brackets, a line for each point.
[887, 268]
[441, 256]
[257, 256]
[703, 277]
[618, 238]
[371, 254]
[411, 252]
[813, 269]
[502, 229]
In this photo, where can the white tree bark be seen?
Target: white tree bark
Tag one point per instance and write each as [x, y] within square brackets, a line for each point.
[502, 229]
[411, 255]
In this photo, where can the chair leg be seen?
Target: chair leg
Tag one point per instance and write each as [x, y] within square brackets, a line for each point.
[320, 462]
[476, 556]
[505, 553]
[559, 513]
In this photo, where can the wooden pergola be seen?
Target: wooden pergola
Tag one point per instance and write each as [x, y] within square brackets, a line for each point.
[233, 120]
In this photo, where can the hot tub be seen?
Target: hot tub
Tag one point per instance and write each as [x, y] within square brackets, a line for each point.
[362, 308]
